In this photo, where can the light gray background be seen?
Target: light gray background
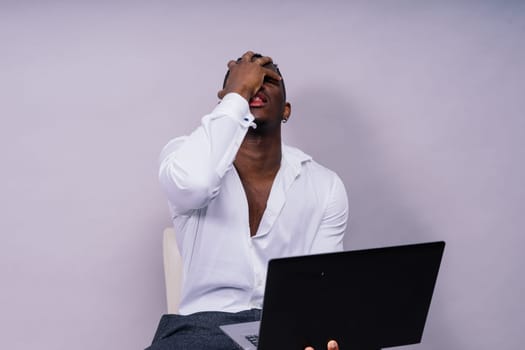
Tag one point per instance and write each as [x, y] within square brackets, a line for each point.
[419, 106]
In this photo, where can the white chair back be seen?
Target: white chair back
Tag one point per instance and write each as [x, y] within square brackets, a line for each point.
[172, 270]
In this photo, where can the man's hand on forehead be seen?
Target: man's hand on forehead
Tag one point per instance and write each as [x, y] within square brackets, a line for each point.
[256, 58]
[247, 75]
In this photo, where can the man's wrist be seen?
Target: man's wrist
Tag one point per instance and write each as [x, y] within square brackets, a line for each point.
[236, 107]
[243, 92]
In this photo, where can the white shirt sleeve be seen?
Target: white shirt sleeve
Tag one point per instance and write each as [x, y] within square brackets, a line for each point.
[331, 231]
[192, 167]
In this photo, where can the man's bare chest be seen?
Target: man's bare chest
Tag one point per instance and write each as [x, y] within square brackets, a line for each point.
[257, 194]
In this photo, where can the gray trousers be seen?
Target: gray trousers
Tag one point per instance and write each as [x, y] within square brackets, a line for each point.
[199, 330]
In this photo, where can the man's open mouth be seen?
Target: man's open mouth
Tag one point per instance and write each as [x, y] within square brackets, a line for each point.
[258, 100]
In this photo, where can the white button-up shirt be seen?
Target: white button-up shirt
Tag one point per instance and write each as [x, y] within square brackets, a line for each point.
[224, 269]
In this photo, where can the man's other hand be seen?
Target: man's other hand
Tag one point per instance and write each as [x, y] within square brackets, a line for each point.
[332, 345]
[247, 75]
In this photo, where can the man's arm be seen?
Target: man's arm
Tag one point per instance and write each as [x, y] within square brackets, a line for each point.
[191, 168]
[330, 234]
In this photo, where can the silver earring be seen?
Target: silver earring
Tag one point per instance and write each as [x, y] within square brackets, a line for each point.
[285, 120]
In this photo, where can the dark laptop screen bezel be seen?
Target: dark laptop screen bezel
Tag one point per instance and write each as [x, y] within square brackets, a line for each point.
[364, 299]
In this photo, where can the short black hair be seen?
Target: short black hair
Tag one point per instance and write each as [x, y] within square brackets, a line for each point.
[255, 56]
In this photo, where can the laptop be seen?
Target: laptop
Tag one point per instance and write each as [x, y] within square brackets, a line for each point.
[364, 299]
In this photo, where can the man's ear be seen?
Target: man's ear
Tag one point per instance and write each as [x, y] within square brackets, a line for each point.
[287, 110]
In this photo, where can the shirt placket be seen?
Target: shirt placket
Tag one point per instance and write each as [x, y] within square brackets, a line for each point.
[256, 276]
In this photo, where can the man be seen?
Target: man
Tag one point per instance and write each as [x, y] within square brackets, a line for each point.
[239, 197]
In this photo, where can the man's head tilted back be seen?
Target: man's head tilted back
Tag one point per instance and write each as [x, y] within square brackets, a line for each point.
[272, 66]
[258, 79]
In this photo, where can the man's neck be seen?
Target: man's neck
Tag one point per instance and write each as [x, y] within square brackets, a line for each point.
[259, 156]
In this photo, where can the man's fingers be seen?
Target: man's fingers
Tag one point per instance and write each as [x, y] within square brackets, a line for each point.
[247, 56]
[247, 75]
[332, 345]
[270, 73]
[263, 60]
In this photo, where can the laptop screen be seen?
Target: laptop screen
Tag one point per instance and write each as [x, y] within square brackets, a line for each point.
[365, 299]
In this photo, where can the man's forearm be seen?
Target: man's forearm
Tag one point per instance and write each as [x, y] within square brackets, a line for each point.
[192, 167]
